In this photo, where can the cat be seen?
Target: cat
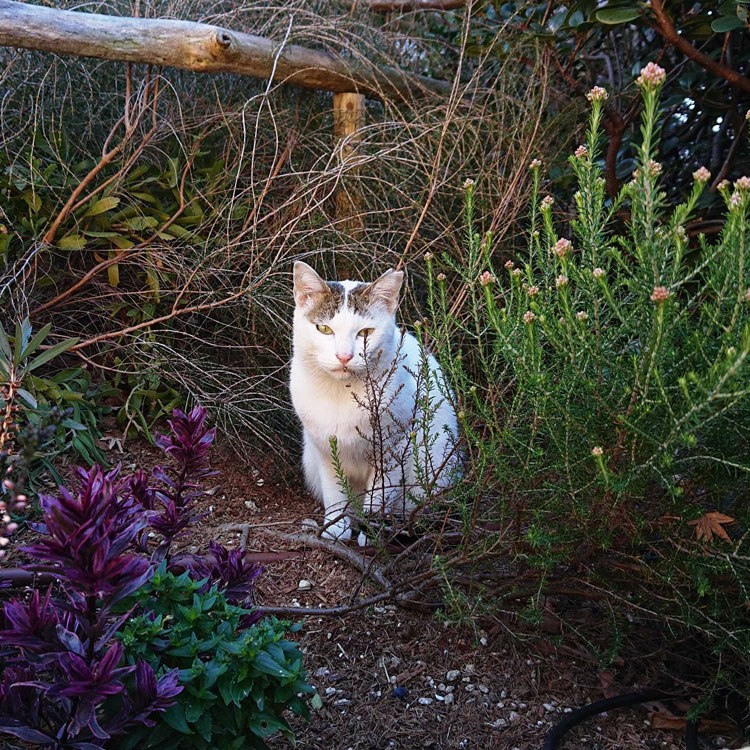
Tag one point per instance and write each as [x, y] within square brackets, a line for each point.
[347, 354]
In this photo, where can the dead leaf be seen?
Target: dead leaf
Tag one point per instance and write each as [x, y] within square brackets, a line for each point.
[711, 525]
[706, 726]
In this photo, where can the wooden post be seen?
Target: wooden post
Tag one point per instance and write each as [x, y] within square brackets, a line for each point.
[348, 120]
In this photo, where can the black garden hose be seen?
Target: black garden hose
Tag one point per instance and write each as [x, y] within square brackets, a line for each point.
[555, 735]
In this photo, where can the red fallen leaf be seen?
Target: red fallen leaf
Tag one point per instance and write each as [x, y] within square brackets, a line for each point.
[706, 726]
[711, 525]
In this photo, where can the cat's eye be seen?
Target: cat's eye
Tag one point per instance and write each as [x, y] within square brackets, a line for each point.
[366, 332]
[324, 329]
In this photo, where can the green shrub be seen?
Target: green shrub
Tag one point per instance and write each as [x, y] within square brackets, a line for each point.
[64, 407]
[238, 681]
[603, 377]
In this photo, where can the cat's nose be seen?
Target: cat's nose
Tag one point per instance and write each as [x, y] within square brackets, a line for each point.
[344, 358]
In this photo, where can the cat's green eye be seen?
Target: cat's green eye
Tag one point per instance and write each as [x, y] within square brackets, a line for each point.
[324, 329]
[366, 332]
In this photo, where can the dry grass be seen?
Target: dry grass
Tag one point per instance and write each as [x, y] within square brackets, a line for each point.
[223, 307]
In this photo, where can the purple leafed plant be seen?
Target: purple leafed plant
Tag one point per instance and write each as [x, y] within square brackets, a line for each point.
[178, 486]
[64, 683]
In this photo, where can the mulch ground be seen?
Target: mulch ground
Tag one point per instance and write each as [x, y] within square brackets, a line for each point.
[391, 678]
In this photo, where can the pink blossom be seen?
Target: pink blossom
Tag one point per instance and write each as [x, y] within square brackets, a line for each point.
[561, 281]
[701, 175]
[468, 183]
[652, 75]
[735, 199]
[428, 257]
[532, 291]
[654, 168]
[441, 277]
[598, 273]
[529, 317]
[582, 315]
[516, 272]
[742, 183]
[747, 294]
[562, 247]
[581, 152]
[486, 278]
[597, 451]
[547, 201]
[722, 185]
[660, 294]
[509, 264]
[597, 94]
[535, 164]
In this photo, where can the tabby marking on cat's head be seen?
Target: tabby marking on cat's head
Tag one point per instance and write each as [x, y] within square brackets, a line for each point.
[336, 322]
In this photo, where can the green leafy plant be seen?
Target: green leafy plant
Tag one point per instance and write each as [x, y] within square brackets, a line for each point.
[238, 678]
[66, 399]
[603, 379]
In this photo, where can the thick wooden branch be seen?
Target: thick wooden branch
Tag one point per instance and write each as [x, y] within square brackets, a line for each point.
[200, 47]
[404, 6]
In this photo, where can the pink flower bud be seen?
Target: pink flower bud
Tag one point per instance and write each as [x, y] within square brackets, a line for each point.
[652, 75]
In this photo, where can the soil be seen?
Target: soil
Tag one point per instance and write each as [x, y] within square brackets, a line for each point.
[392, 678]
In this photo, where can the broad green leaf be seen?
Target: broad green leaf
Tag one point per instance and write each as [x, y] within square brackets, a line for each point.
[175, 717]
[72, 242]
[34, 344]
[137, 223]
[617, 15]
[264, 662]
[727, 23]
[5, 349]
[122, 243]
[102, 206]
[27, 397]
[51, 353]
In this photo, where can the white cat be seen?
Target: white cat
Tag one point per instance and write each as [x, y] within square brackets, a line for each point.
[348, 353]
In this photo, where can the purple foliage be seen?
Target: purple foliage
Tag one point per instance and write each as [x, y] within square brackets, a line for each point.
[63, 683]
[86, 537]
[228, 570]
[178, 486]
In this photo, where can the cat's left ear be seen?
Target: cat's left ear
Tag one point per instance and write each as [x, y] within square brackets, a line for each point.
[385, 290]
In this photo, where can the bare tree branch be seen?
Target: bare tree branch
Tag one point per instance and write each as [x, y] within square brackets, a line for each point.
[200, 47]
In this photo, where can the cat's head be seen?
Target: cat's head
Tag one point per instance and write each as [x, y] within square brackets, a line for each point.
[337, 322]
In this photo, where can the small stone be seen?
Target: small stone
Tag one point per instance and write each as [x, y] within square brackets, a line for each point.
[448, 700]
[484, 689]
[522, 706]
[453, 675]
[498, 723]
[330, 690]
[321, 672]
[512, 716]
[304, 585]
[469, 688]
[548, 707]
[441, 687]
[342, 702]
[483, 641]
[503, 693]
[250, 505]
[469, 669]
[424, 701]
[450, 689]
[500, 704]
[439, 697]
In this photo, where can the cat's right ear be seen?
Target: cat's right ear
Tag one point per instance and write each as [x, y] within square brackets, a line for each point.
[307, 284]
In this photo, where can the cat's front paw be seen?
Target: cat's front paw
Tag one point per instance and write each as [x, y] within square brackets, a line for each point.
[341, 529]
